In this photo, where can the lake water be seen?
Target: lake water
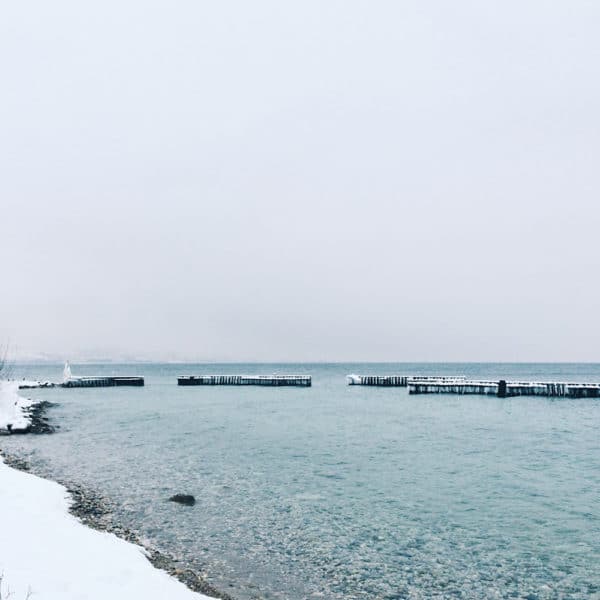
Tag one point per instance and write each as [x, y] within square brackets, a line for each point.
[340, 491]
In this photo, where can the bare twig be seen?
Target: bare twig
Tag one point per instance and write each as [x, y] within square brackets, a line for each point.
[7, 366]
[5, 592]
[4, 595]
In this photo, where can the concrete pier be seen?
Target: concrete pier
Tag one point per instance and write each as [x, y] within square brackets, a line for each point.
[266, 380]
[89, 382]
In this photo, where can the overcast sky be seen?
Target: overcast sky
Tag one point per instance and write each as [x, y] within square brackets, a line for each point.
[317, 180]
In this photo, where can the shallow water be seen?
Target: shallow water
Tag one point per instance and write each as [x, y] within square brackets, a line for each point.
[342, 491]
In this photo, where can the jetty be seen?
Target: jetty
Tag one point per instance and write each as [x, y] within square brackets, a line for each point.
[399, 380]
[459, 384]
[506, 389]
[266, 380]
[95, 382]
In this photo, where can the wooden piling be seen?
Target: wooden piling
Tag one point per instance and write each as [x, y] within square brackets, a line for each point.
[94, 382]
[502, 388]
[399, 380]
[506, 389]
[264, 380]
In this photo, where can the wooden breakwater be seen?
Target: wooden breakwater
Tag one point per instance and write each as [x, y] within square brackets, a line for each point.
[507, 389]
[265, 380]
[378, 380]
[94, 382]
[458, 386]
[399, 380]
[550, 388]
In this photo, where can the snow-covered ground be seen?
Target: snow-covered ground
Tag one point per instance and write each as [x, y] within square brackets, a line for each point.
[13, 408]
[46, 552]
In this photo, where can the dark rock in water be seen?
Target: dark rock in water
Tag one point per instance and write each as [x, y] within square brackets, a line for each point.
[185, 499]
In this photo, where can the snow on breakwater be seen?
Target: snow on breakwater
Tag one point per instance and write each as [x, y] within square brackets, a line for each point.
[265, 380]
[459, 384]
[14, 410]
[400, 380]
[503, 388]
[47, 553]
[79, 382]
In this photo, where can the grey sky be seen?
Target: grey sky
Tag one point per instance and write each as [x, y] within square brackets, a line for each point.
[301, 181]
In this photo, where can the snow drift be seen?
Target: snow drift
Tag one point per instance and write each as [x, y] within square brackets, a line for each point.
[14, 410]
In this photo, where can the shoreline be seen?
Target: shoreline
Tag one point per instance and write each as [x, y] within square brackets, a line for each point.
[50, 552]
[93, 511]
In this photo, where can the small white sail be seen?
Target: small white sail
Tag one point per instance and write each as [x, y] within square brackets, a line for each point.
[67, 372]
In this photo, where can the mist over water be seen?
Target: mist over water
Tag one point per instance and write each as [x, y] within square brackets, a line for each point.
[344, 492]
[309, 181]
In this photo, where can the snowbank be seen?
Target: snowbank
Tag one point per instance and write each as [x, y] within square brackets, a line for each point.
[45, 550]
[13, 409]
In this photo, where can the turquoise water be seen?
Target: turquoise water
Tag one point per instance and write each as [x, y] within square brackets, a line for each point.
[342, 491]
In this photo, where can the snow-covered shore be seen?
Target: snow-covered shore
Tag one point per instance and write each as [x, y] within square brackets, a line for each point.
[47, 552]
[13, 408]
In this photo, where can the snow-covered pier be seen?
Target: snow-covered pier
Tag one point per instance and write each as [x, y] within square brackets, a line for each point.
[267, 380]
[459, 384]
[398, 380]
[378, 380]
[558, 389]
[103, 381]
[506, 389]
[87, 382]
[452, 386]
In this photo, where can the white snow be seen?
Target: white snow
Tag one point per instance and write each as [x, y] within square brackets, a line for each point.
[67, 372]
[47, 551]
[12, 413]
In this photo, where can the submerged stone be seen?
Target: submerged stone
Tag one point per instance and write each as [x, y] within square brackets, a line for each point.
[186, 499]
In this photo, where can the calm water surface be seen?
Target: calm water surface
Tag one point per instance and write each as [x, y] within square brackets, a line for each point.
[344, 492]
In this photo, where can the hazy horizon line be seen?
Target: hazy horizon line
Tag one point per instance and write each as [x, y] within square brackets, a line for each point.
[53, 362]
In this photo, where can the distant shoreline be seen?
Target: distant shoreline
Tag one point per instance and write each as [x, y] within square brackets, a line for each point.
[110, 362]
